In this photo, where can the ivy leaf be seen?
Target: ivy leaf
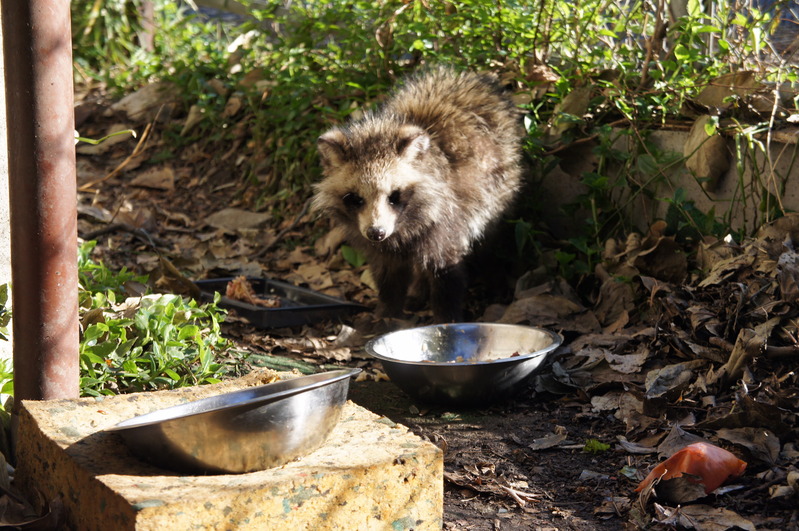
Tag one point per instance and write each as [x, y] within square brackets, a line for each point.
[352, 256]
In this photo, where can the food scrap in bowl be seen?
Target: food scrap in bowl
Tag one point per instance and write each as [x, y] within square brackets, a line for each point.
[240, 289]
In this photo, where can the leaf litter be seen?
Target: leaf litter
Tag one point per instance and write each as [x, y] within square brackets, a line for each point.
[657, 358]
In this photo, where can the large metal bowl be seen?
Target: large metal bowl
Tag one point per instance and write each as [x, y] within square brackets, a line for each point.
[468, 364]
[242, 431]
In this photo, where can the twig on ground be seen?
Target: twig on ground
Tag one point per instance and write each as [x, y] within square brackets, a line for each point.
[136, 151]
[521, 497]
[141, 234]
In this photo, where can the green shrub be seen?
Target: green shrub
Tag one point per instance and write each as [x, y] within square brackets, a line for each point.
[158, 341]
[167, 342]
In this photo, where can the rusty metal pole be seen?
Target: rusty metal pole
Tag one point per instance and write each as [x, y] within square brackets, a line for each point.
[42, 190]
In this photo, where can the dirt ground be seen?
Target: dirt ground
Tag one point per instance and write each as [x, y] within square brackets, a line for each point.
[648, 366]
[487, 457]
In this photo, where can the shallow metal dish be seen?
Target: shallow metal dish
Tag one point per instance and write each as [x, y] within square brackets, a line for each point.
[463, 363]
[242, 431]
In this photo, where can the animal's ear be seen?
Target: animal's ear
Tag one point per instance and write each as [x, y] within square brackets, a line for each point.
[413, 141]
[331, 148]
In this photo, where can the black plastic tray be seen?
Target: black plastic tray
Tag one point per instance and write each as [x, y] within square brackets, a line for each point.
[298, 306]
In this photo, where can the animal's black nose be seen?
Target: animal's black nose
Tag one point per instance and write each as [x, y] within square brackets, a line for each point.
[376, 234]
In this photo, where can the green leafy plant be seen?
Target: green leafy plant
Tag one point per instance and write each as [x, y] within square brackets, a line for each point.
[5, 313]
[353, 256]
[111, 41]
[95, 142]
[105, 32]
[6, 381]
[6, 372]
[6, 404]
[688, 223]
[595, 446]
[95, 278]
[166, 342]
[152, 342]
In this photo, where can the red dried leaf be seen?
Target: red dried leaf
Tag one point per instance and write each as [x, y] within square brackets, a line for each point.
[710, 464]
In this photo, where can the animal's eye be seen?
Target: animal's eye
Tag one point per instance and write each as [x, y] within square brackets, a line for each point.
[395, 198]
[352, 200]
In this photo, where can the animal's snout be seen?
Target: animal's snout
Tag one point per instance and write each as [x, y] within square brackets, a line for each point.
[376, 234]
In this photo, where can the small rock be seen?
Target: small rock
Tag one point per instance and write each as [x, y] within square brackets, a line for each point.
[708, 157]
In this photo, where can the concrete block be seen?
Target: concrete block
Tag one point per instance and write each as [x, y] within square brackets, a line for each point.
[370, 474]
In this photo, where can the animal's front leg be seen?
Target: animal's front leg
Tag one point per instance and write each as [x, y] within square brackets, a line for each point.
[448, 293]
[393, 279]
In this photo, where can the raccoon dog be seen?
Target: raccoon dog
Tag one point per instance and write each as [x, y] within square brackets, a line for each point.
[416, 184]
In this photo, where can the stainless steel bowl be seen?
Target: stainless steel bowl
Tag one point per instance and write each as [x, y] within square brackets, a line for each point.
[252, 429]
[463, 363]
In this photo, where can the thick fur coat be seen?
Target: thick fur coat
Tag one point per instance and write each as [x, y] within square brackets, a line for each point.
[418, 182]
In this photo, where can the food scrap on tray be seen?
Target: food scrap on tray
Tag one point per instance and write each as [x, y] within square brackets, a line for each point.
[240, 289]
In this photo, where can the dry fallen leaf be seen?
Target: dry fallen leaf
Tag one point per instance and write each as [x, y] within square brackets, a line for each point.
[662, 259]
[702, 518]
[749, 344]
[548, 441]
[628, 363]
[761, 442]
[616, 296]
[635, 448]
[315, 275]
[671, 380]
[156, 178]
[554, 311]
[234, 219]
[147, 100]
[719, 92]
